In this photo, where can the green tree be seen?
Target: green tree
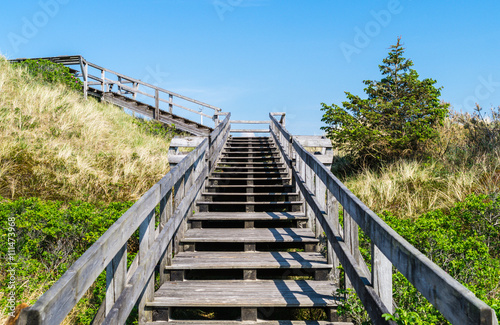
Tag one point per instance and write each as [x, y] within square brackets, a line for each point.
[395, 121]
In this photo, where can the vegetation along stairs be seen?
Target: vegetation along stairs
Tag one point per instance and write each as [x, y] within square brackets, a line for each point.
[246, 230]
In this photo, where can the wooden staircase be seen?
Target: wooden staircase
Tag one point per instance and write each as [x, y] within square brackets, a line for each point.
[248, 255]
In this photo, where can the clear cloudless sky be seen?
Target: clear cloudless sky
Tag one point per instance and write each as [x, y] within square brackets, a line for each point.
[252, 57]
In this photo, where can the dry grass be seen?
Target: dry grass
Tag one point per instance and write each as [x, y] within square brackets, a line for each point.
[56, 145]
[410, 188]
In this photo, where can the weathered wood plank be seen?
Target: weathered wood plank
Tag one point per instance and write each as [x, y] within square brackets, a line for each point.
[241, 293]
[223, 216]
[250, 235]
[248, 260]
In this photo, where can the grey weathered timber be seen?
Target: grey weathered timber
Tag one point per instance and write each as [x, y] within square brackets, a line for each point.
[252, 235]
[109, 250]
[453, 300]
[248, 260]
[241, 293]
[258, 322]
[222, 216]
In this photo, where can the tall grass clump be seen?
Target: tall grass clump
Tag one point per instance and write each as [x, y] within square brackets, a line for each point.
[465, 160]
[56, 145]
[69, 168]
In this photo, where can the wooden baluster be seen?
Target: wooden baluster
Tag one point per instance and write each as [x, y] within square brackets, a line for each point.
[333, 217]
[146, 239]
[157, 105]
[165, 215]
[320, 192]
[85, 73]
[116, 278]
[382, 277]
[103, 84]
[170, 103]
[309, 179]
[351, 239]
[179, 192]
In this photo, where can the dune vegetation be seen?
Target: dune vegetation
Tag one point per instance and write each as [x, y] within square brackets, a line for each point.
[56, 145]
[69, 168]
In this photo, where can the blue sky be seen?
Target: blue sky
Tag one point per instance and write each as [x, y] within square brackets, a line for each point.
[251, 57]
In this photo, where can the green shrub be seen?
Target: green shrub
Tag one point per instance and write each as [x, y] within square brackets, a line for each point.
[50, 72]
[464, 242]
[397, 119]
[49, 237]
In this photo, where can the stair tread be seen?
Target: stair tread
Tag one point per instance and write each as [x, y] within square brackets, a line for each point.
[248, 260]
[250, 235]
[248, 216]
[245, 293]
[249, 173]
[257, 163]
[258, 322]
[248, 194]
[246, 186]
[248, 202]
[249, 178]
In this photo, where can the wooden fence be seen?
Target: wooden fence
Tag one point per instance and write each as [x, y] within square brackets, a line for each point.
[168, 203]
[323, 193]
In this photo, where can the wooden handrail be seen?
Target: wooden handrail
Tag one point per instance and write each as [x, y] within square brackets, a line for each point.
[109, 251]
[457, 304]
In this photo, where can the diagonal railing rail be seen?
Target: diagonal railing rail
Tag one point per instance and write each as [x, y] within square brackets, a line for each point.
[168, 203]
[323, 193]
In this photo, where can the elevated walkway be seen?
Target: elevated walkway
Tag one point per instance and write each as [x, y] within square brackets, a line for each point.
[144, 99]
[246, 230]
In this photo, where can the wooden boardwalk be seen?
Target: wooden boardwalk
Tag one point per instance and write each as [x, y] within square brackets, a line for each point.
[248, 231]
[242, 258]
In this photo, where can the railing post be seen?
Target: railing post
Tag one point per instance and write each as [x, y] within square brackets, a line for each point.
[146, 239]
[351, 238]
[116, 278]
[84, 67]
[309, 179]
[157, 105]
[170, 103]
[136, 87]
[165, 215]
[103, 84]
[179, 192]
[320, 192]
[333, 217]
[382, 277]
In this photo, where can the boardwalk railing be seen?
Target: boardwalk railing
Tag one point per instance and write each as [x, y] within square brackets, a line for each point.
[168, 203]
[99, 80]
[323, 193]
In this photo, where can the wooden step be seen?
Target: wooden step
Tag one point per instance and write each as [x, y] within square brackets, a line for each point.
[248, 260]
[235, 322]
[249, 203]
[250, 235]
[247, 216]
[236, 168]
[211, 178]
[250, 194]
[255, 163]
[250, 146]
[246, 186]
[248, 173]
[241, 293]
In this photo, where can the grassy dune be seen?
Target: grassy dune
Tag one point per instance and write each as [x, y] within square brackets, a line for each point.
[69, 168]
[56, 145]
